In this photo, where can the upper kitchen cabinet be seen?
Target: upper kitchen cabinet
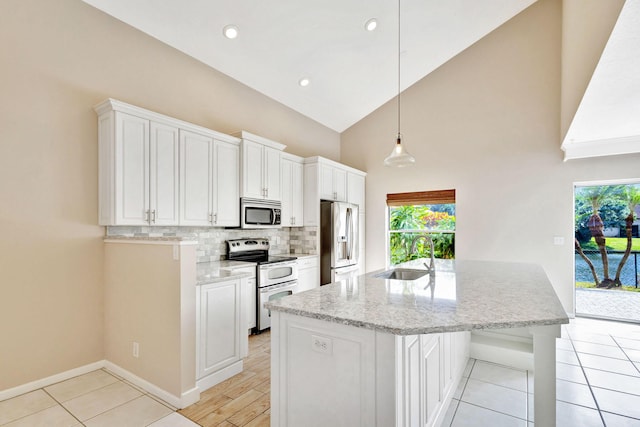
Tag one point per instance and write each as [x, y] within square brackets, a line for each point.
[325, 179]
[138, 167]
[333, 183]
[292, 191]
[261, 162]
[157, 170]
[209, 185]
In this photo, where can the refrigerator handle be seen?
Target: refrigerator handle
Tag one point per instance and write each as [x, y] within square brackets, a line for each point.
[349, 233]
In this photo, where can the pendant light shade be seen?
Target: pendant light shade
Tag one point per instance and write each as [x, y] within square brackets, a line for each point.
[399, 157]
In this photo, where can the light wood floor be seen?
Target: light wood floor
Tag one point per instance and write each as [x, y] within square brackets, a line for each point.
[242, 400]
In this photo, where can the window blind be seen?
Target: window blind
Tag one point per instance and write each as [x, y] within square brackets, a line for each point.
[422, 198]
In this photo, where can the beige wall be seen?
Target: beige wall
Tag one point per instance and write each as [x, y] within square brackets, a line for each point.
[487, 123]
[146, 301]
[58, 59]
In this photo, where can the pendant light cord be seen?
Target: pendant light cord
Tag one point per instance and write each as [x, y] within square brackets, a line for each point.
[399, 71]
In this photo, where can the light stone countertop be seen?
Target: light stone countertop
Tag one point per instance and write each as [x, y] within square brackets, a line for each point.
[220, 271]
[462, 295]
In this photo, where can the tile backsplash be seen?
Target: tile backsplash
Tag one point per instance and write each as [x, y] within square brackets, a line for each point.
[212, 241]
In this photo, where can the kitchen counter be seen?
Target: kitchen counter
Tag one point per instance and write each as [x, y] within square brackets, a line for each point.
[463, 295]
[399, 347]
[219, 271]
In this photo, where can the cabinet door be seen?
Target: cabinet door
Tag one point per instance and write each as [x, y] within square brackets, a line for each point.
[340, 184]
[272, 164]
[132, 170]
[355, 190]
[308, 278]
[164, 177]
[219, 326]
[432, 376]
[287, 192]
[195, 178]
[252, 172]
[297, 194]
[326, 183]
[226, 173]
[412, 378]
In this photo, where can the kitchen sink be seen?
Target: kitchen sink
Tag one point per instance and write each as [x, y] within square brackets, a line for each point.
[402, 274]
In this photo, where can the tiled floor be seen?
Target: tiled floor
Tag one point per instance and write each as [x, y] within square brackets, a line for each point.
[598, 384]
[96, 399]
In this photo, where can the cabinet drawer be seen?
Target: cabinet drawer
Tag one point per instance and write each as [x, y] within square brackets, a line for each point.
[307, 262]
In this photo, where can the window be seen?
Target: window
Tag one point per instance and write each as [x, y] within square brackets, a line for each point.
[418, 213]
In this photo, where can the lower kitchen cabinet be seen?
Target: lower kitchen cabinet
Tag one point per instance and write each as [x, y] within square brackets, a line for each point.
[308, 273]
[368, 377]
[219, 332]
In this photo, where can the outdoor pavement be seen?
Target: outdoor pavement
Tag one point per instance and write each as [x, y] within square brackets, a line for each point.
[609, 304]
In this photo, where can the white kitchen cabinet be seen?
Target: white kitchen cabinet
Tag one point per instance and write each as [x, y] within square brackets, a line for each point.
[261, 162]
[325, 179]
[157, 170]
[209, 186]
[370, 377]
[219, 332]
[226, 184]
[138, 170]
[333, 183]
[196, 183]
[292, 191]
[308, 273]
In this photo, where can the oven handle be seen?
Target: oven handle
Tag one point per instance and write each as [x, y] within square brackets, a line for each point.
[279, 286]
[278, 264]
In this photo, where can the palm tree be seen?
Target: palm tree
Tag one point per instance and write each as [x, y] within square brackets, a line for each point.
[595, 196]
[632, 196]
[588, 261]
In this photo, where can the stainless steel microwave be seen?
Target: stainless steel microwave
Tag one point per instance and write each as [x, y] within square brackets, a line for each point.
[257, 213]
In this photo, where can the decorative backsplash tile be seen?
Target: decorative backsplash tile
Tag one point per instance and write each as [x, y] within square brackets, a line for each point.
[212, 241]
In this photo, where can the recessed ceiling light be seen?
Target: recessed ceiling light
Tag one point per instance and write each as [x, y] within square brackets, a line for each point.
[304, 82]
[371, 24]
[230, 31]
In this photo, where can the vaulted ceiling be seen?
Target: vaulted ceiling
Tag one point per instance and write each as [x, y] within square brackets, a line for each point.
[351, 71]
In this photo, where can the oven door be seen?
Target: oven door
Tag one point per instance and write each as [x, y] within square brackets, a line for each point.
[272, 274]
[271, 293]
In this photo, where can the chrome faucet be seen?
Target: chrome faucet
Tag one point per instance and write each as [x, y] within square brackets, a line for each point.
[432, 266]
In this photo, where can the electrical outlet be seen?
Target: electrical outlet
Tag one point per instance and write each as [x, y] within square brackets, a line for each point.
[136, 349]
[321, 344]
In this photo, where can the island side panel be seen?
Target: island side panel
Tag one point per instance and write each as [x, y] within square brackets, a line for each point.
[544, 374]
[322, 373]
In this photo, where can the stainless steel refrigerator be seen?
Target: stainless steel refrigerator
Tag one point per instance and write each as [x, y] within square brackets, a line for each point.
[338, 241]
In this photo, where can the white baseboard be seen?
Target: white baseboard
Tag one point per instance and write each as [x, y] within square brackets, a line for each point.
[53, 379]
[209, 381]
[187, 398]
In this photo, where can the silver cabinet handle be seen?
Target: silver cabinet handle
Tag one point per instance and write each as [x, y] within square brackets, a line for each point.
[153, 216]
[146, 216]
[215, 218]
[210, 217]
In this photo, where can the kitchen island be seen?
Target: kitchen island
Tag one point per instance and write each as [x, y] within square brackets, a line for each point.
[381, 351]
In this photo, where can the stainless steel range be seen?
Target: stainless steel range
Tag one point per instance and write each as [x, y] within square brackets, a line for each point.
[276, 276]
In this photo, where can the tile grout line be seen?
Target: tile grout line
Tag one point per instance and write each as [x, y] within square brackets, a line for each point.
[62, 406]
[625, 353]
[588, 382]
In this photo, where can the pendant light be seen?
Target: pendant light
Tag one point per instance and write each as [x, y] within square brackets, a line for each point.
[399, 157]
